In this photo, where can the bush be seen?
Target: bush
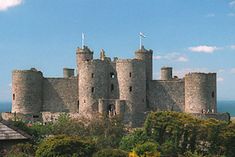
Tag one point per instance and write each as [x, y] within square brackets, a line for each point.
[111, 153]
[146, 149]
[129, 141]
[22, 150]
[63, 145]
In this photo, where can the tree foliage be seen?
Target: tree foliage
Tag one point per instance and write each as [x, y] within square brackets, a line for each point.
[111, 153]
[63, 146]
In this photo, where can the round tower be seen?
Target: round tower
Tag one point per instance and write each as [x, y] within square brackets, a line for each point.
[93, 85]
[68, 72]
[200, 93]
[131, 75]
[83, 54]
[166, 73]
[27, 91]
[147, 57]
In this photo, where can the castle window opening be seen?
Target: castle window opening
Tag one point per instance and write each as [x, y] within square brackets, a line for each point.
[213, 94]
[35, 116]
[112, 75]
[130, 89]
[92, 75]
[14, 96]
[111, 110]
[78, 105]
[92, 89]
[130, 74]
[112, 87]
[84, 101]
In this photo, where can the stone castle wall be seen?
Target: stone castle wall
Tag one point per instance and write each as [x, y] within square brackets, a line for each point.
[167, 95]
[60, 95]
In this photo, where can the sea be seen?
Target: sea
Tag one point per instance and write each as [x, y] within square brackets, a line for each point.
[222, 105]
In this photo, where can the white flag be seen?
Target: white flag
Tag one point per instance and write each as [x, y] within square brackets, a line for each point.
[142, 35]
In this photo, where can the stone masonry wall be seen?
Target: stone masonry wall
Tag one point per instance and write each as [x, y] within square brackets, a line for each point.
[200, 92]
[167, 95]
[26, 91]
[60, 94]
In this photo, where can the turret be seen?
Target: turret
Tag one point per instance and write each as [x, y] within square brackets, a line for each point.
[27, 91]
[200, 93]
[68, 72]
[166, 73]
[83, 54]
[147, 57]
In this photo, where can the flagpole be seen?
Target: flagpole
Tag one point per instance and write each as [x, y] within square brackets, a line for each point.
[83, 38]
[140, 41]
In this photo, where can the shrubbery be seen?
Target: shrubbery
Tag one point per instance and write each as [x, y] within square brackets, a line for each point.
[22, 150]
[166, 133]
[111, 153]
[65, 146]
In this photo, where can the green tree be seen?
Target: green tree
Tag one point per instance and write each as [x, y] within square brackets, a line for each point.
[111, 153]
[146, 149]
[65, 146]
[129, 141]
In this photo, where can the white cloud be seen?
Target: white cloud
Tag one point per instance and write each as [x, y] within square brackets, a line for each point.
[210, 15]
[10, 84]
[233, 70]
[232, 3]
[182, 59]
[232, 47]
[157, 57]
[6, 4]
[173, 57]
[220, 70]
[220, 79]
[203, 49]
[231, 14]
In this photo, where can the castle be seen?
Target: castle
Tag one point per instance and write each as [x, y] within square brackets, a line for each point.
[113, 87]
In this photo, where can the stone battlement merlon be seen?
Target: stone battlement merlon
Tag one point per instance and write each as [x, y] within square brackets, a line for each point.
[128, 60]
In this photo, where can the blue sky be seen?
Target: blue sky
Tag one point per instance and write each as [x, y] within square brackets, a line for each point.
[190, 35]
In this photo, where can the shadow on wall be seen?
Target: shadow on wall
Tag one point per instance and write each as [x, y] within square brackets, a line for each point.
[167, 95]
[60, 95]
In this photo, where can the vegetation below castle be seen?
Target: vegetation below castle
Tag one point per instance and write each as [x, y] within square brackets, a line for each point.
[163, 134]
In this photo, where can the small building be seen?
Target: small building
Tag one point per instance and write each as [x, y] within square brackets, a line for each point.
[9, 136]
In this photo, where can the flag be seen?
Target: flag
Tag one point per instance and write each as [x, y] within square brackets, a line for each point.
[142, 35]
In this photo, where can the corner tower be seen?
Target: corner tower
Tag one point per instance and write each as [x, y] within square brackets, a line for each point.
[27, 91]
[200, 92]
[83, 54]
